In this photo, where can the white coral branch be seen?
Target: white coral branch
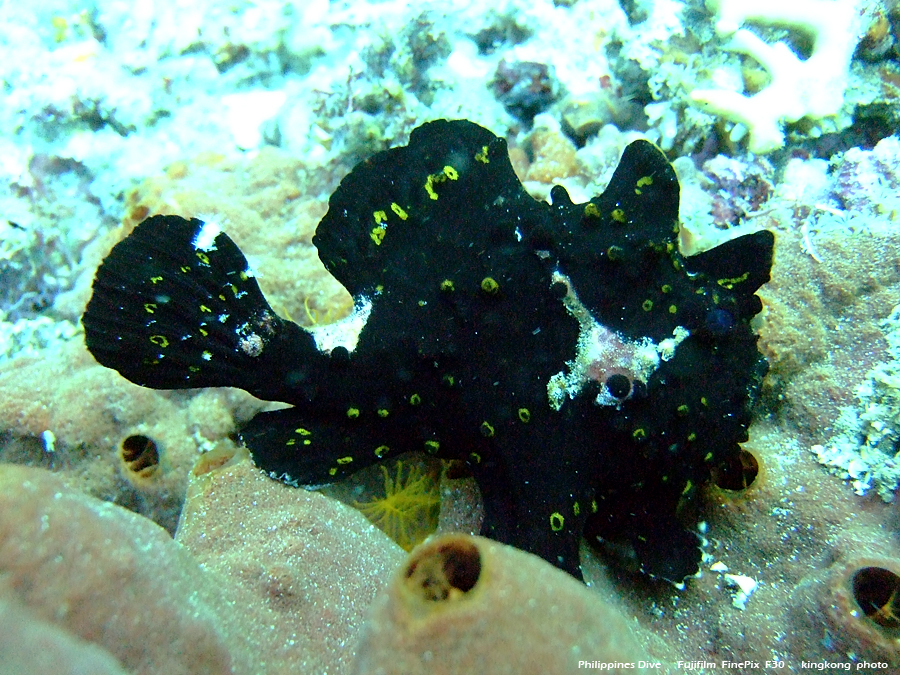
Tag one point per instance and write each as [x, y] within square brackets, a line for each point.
[799, 88]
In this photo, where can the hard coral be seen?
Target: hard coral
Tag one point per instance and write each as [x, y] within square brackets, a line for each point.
[813, 87]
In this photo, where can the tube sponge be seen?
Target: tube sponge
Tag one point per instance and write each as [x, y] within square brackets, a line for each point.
[107, 576]
[464, 604]
[798, 88]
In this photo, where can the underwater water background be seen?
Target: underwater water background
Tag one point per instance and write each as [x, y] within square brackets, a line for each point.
[250, 114]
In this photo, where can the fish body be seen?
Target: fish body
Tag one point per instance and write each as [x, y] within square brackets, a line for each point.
[587, 374]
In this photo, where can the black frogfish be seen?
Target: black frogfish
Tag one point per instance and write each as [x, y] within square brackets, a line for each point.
[587, 374]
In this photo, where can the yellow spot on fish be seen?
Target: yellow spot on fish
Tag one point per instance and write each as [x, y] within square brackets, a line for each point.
[415, 399]
[594, 506]
[194, 369]
[436, 178]
[383, 412]
[639, 433]
[377, 234]
[302, 431]
[487, 430]
[155, 280]
[395, 207]
[430, 182]
[672, 309]
[731, 283]
[307, 442]
[683, 410]
[489, 286]
[380, 217]
[344, 460]
[204, 332]
[243, 276]
[149, 307]
[703, 400]
[381, 450]
[292, 441]
[483, 155]
[524, 415]
[352, 413]
[203, 257]
[591, 210]
[449, 380]
[557, 522]
[475, 457]
[159, 340]
[645, 181]
[233, 288]
[222, 297]
[432, 447]
[447, 286]
[647, 305]
[666, 288]
[614, 252]
[332, 471]
[618, 215]
[576, 508]
[185, 269]
[204, 308]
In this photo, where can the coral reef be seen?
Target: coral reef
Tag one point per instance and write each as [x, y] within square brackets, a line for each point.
[865, 449]
[811, 87]
[44, 384]
[249, 115]
[857, 598]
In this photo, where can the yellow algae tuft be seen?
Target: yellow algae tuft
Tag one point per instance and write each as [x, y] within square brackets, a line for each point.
[409, 510]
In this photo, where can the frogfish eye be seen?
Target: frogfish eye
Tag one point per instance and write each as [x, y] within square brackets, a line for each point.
[619, 386]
